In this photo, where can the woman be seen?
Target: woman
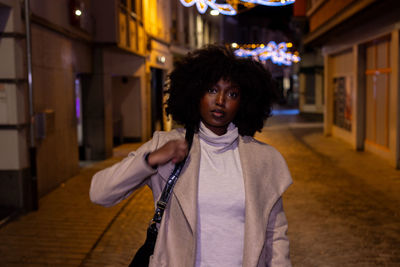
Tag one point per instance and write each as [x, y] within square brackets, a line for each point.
[226, 208]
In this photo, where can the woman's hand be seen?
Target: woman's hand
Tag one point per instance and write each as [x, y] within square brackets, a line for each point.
[174, 150]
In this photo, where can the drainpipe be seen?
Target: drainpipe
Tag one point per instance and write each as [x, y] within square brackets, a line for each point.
[32, 201]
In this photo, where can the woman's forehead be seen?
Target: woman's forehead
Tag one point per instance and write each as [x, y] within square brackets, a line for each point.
[228, 82]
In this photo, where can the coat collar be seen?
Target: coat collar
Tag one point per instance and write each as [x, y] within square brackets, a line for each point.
[259, 197]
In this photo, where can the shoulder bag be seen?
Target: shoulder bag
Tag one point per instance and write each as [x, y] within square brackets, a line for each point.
[142, 256]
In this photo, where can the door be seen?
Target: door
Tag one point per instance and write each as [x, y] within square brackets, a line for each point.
[377, 77]
[157, 85]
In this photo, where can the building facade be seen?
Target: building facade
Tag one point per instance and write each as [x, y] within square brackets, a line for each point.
[81, 76]
[311, 66]
[359, 44]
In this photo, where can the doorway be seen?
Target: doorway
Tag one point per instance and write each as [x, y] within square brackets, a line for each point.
[157, 87]
[82, 81]
[377, 77]
[126, 107]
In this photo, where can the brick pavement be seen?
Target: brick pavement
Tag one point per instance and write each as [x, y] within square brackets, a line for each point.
[342, 211]
[343, 206]
[65, 228]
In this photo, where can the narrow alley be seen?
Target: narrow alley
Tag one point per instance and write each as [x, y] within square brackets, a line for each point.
[342, 210]
[85, 82]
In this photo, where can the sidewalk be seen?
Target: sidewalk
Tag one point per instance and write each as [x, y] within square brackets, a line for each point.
[66, 226]
[374, 170]
[68, 230]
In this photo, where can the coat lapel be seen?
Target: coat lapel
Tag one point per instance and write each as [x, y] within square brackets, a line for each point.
[258, 200]
[186, 187]
[259, 197]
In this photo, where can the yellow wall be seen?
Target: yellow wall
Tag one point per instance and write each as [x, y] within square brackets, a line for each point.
[157, 19]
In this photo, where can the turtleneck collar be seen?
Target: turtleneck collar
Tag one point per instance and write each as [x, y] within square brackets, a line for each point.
[219, 141]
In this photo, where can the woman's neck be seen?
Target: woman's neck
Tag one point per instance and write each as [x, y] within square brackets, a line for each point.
[219, 141]
[218, 130]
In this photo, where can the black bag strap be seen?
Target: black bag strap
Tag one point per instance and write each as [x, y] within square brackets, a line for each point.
[167, 191]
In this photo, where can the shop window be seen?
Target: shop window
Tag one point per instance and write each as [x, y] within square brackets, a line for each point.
[342, 102]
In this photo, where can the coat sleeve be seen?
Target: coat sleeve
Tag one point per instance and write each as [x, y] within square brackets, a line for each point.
[277, 240]
[114, 184]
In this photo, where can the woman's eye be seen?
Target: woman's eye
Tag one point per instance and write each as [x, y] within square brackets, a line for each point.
[212, 90]
[233, 94]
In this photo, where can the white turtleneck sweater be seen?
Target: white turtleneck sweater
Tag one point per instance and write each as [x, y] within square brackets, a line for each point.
[221, 200]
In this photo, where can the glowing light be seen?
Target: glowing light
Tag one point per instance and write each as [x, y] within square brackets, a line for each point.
[161, 59]
[285, 112]
[202, 6]
[270, 2]
[78, 12]
[214, 12]
[228, 9]
[234, 45]
[277, 53]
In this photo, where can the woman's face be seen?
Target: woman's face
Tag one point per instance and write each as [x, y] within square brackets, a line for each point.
[219, 105]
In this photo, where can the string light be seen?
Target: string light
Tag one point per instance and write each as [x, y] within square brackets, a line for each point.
[214, 12]
[270, 2]
[230, 8]
[202, 6]
[277, 53]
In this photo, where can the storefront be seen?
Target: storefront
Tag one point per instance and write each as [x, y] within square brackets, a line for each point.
[362, 94]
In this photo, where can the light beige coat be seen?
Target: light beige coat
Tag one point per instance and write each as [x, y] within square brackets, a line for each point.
[266, 177]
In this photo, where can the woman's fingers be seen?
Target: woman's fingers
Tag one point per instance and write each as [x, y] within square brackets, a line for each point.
[174, 150]
[180, 152]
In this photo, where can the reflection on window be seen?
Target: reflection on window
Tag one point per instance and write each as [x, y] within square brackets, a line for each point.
[342, 103]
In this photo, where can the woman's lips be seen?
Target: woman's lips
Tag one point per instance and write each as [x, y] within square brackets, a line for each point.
[218, 113]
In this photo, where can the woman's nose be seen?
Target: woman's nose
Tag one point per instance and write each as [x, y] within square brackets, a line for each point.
[220, 99]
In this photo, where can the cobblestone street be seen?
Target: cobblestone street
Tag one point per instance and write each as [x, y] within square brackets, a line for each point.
[343, 210]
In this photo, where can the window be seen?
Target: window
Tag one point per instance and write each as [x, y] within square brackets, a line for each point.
[133, 6]
[343, 102]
